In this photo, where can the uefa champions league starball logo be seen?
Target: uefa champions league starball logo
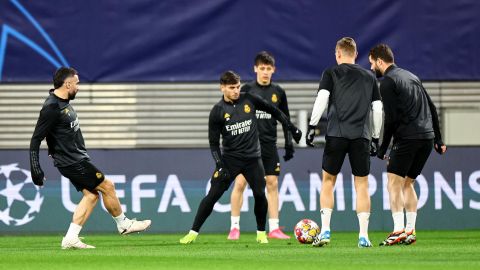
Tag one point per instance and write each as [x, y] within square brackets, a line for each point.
[20, 199]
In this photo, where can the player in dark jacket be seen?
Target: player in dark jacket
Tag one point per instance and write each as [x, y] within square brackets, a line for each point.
[267, 130]
[59, 124]
[411, 119]
[233, 118]
[352, 96]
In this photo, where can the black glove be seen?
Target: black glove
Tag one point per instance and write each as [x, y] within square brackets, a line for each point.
[373, 147]
[310, 135]
[38, 177]
[438, 147]
[296, 133]
[381, 152]
[288, 152]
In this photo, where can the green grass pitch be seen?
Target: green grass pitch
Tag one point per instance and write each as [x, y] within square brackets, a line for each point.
[436, 250]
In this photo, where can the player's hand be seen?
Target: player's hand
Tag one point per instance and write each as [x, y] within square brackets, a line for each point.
[440, 147]
[310, 136]
[38, 178]
[381, 153]
[289, 150]
[374, 147]
[296, 134]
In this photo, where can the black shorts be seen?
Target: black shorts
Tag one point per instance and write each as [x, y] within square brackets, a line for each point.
[270, 159]
[83, 175]
[358, 151]
[408, 157]
[252, 170]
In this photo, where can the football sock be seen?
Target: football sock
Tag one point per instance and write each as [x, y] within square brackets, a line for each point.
[273, 223]
[411, 219]
[73, 231]
[398, 221]
[121, 220]
[326, 214]
[235, 223]
[363, 218]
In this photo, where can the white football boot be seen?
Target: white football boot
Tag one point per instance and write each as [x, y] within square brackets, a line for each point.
[74, 243]
[134, 226]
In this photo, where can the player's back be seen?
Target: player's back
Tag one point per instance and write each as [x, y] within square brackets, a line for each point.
[350, 101]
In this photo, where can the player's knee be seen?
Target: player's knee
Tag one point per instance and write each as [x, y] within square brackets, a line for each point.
[108, 186]
[91, 197]
[272, 185]
[239, 186]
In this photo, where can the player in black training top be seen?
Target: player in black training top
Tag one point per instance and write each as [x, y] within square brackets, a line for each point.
[352, 95]
[58, 122]
[267, 131]
[233, 118]
[411, 119]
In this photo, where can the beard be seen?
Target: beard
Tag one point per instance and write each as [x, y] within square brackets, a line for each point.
[377, 72]
[71, 96]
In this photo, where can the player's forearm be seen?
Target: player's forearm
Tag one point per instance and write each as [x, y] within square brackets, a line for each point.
[387, 136]
[435, 122]
[377, 109]
[319, 106]
[34, 155]
[287, 135]
[216, 154]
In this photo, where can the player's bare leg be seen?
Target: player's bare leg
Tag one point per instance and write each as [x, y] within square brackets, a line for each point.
[411, 201]
[395, 191]
[326, 208]
[111, 202]
[80, 216]
[273, 215]
[236, 201]
[363, 210]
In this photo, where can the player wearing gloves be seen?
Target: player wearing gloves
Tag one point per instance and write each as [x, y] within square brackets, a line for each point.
[267, 131]
[233, 118]
[58, 123]
[411, 119]
[351, 93]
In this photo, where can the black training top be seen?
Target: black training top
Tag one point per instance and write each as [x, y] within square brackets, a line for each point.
[352, 91]
[237, 124]
[267, 125]
[58, 122]
[409, 111]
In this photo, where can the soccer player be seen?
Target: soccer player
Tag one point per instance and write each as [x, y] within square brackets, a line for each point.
[411, 119]
[58, 122]
[267, 130]
[233, 118]
[351, 93]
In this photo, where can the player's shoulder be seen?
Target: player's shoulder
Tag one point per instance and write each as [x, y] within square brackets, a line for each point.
[51, 102]
[277, 87]
[247, 86]
[217, 109]
[331, 69]
[219, 104]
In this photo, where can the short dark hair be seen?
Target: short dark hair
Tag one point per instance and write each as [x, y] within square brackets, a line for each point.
[61, 75]
[383, 52]
[265, 58]
[348, 45]
[229, 77]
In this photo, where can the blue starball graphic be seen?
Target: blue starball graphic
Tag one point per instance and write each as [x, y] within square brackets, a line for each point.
[56, 60]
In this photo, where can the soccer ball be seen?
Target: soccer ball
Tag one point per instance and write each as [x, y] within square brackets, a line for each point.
[306, 230]
[20, 199]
